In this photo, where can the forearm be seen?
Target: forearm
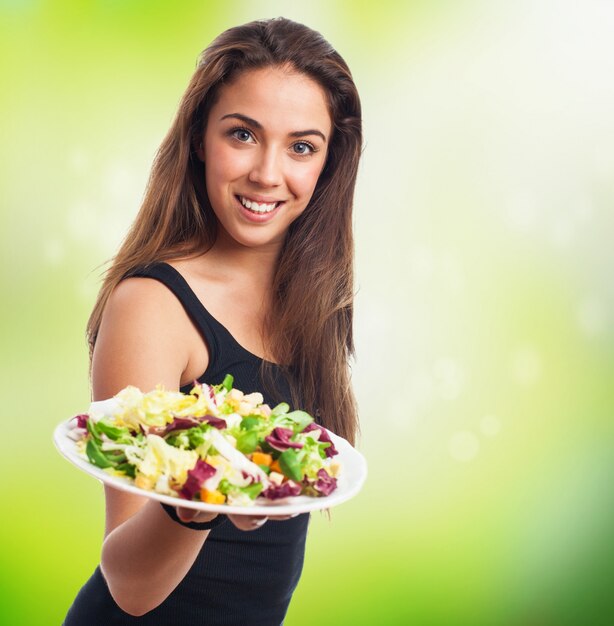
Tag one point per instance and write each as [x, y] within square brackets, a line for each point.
[146, 557]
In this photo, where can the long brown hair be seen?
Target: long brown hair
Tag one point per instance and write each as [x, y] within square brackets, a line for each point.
[309, 328]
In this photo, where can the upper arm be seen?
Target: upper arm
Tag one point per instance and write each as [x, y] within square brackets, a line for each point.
[141, 342]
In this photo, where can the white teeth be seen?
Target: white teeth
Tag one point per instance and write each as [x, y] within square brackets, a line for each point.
[256, 207]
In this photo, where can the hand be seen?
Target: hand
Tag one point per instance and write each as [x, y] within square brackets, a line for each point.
[253, 522]
[242, 522]
[192, 515]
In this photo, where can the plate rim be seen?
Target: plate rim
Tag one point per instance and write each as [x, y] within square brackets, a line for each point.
[66, 447]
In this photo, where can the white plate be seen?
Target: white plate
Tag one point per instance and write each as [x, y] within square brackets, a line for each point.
[351, 478]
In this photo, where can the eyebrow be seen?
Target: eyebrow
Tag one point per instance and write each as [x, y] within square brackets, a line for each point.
[258, 126]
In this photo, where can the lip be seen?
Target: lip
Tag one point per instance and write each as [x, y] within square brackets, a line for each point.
[258, 218]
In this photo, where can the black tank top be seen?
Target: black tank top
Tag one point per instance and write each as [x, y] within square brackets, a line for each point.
[238, 577]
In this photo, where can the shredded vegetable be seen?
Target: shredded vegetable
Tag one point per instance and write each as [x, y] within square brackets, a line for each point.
[214, 444]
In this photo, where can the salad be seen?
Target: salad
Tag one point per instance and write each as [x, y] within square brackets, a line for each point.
[215, 444]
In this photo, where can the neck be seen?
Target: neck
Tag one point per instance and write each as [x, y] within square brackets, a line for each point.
[255, 265]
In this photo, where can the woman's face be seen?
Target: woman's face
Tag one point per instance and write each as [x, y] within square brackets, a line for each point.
[264, 148]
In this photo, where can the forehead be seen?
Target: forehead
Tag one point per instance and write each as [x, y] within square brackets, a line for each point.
[278, 98]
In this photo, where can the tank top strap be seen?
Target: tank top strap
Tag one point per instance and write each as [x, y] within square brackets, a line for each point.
[213, 332]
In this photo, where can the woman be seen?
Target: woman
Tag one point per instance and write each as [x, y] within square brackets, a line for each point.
[239, 261]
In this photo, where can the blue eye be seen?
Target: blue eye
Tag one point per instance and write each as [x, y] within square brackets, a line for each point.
[303, 148]
[241, 134]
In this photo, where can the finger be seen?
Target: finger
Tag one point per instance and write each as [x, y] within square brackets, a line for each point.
[281, 518]
[186, 515]
[248, 522]
[205, 517]
[257, 522]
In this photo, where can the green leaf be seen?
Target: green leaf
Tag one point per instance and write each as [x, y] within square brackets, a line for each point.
[266, 447]
[93, 430]
[115, 456]
[290, 465]
[224, 486]
[280, 409]
[247, 442]
[127, 468]
[322, 447]
[249, 422]
[178, 439]
[265, 468]
[301, 420]
[253, 490]
[112, 432]
[96, 456]
[196, 436]
[228, 382]
[296, 420]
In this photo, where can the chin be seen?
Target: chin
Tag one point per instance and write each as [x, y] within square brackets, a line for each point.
[253, 241]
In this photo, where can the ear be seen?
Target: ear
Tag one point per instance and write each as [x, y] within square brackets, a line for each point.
[198, 148]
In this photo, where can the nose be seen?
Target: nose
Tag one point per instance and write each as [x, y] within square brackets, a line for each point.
[266, 169]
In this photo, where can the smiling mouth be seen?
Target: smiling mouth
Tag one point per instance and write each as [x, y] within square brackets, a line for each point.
[258, 207]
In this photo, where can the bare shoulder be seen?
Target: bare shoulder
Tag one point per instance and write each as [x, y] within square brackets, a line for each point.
[199, 269]
[138, 307]
[144, 298]
[143, 339]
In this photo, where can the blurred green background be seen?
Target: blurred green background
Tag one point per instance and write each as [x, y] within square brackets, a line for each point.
[485, 297]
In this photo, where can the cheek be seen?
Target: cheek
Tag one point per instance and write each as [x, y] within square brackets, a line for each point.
[304, 180]
[221, 167]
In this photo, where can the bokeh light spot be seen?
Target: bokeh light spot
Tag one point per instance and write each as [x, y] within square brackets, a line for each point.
[592, 316]
[119, 182]
[449, 378]
[82, 222]
[490, 425]
[526, 366]
[53, 252]
[522, 211]
[78, 160]
[464, 446]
